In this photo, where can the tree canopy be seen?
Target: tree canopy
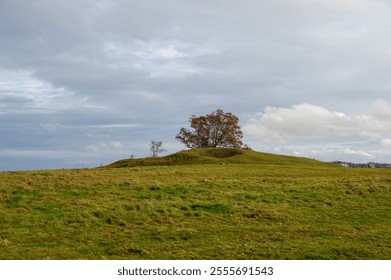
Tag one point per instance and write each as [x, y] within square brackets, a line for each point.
[217, 129]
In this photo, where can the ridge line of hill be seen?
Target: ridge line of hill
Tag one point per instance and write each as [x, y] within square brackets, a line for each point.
[217, 156]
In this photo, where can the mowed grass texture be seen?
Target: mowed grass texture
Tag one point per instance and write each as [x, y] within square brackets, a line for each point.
[247, 205]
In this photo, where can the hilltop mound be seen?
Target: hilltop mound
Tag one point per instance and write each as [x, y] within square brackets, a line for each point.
[221, 153]
[216, 156]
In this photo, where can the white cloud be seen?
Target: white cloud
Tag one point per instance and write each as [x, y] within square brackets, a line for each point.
[21, 91]
[305, 120]
[386, 142]
[381, 109]
[106, 147]
[158, 58]
[116, 144]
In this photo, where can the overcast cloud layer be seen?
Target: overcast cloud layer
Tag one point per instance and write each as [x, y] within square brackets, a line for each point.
[84, 83]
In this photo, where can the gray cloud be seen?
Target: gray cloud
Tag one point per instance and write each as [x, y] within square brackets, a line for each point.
[89, 73]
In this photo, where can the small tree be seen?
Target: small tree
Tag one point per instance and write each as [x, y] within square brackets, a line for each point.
[156, 147]
[217, 129]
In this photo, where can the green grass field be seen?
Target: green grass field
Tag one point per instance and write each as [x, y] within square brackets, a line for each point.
[198, 204]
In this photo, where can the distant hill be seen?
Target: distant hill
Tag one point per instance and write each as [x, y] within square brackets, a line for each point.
[217, 156]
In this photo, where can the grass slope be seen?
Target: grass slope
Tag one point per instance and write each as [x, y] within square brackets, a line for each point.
[243, 206]
[217, 156]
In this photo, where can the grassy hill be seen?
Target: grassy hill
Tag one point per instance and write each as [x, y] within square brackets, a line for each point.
[218, 156]
[198, 204]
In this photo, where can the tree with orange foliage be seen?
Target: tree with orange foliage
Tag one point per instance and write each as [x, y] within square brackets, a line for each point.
[217, 129]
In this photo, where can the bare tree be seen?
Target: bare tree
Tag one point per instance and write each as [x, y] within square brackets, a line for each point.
[217, 129]
[156, 148]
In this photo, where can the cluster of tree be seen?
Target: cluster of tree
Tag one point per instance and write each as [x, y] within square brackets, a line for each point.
[363, 165]
[217, 129]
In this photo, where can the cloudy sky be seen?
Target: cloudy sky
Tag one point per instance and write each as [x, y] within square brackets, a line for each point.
[87, 82]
